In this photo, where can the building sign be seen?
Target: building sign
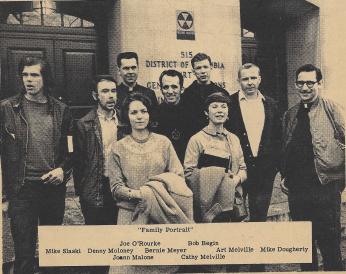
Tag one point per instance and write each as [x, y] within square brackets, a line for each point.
[185, 25]
[181, 61]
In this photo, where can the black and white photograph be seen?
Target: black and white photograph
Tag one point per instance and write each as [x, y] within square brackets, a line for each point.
[180, 118]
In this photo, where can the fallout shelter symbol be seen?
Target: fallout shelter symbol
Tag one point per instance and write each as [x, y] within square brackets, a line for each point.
[185, 20]
[185, 25]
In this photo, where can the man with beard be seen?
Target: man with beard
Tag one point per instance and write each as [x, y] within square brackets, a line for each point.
[35, 160]
[313, 166]
[255, 119]
[171, 121]
[128, 70]
[194, 96]
[93, 136]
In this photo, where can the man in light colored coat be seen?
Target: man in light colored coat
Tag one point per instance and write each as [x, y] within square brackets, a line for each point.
[313, 166]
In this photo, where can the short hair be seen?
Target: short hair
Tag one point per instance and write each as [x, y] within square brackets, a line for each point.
[172, 73]
[135, 96]
[126, 55]
[102, 77]
[248, 66]
[308, 68]
[200, 57]
[48, 82]
[216, 97]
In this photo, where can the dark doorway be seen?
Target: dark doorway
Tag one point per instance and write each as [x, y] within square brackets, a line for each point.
[72, 57]
[266, 48]
[69, 44]
[269, 20]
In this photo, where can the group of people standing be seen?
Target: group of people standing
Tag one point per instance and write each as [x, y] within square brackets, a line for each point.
[138, 158]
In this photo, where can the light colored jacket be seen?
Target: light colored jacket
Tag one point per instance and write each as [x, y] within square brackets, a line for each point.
[166, 200]
[213, 193]
[329, 157]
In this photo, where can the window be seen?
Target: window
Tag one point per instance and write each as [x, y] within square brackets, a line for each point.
[44, 13]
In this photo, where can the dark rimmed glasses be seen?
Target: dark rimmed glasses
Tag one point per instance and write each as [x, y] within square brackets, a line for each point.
[309, 84]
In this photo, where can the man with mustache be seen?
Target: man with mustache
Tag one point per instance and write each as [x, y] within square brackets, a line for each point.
[128, 70]
[34, 133]
[93, 136]
[255, 119]
[313, 166]
[194, 96]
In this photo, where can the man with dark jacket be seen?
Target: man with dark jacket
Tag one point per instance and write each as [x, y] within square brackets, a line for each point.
[255, 119]
[93, 136]
[171, 120]
[194, 96]
[313, 166]
[128, 70]
[35, 160]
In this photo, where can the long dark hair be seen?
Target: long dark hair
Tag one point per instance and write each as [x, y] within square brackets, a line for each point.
[48, 82]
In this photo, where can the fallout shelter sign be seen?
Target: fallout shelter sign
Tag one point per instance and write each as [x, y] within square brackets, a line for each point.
[185, 25]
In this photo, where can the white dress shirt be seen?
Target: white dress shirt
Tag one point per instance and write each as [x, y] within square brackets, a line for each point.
[109, 130]
[252, 111]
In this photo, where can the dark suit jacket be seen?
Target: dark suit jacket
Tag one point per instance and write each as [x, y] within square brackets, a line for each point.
[88, 158]
[261, 172]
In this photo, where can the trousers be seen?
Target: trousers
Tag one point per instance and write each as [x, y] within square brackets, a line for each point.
[321, 205]
[35, 204]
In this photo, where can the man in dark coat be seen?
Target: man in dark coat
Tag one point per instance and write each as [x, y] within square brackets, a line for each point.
[313, 166]
[35, 159]
[255, 119]
[93, 137]
[128, 70]
[194, 96]
[171, 122]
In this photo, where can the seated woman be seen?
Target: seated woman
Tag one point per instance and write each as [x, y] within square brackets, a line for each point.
[214, 164]
[134, 160]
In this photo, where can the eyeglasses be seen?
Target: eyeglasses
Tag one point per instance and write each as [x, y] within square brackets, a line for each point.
[310, 84]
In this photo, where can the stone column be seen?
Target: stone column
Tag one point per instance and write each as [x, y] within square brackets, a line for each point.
[333, 42]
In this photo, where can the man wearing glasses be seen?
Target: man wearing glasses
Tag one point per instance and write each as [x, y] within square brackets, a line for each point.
[313, 166]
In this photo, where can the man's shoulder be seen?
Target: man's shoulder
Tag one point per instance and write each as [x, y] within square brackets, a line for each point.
[145, 89]
[292, 111]
[57, 102]
[270, 100]
[8, 102]
[331, 103]
[190, 89]
[234, 96]
[89, 116]
[219, 89]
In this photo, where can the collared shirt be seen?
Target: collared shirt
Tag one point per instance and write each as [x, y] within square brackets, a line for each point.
[109, 128]
[218, 145]
[222, 144]
[252, 111]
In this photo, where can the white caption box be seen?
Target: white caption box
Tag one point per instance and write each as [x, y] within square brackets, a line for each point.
[240, 243]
